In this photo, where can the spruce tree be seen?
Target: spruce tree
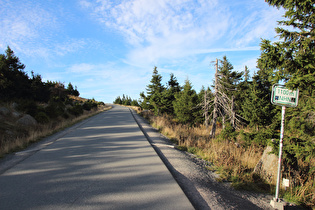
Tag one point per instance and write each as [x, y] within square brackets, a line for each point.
[228, 78]
[242, 93]
[40, 91]
[14, 82]
[169, 93]
[70, 88]
[224, 103]
[118, 100]
[293, 57]
[257, 109]
[185, 104]
[153, 99]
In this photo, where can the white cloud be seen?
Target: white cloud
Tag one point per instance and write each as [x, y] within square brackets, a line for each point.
[69, 46]
[163, 29]
[260, 24]
[24, 23]
[147, 22]
[36, 29]
[82, 68]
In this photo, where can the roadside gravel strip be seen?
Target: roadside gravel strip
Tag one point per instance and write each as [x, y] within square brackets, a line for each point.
[198, 183]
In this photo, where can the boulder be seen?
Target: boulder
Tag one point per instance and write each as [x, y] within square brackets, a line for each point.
[16, 114]
[27, 120]
[4, 111]
[14, 105]
[267, 167]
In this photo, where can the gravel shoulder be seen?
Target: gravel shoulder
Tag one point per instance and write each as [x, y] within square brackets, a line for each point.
[198, 183]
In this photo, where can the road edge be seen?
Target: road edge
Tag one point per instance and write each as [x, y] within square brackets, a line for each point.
[185, 184]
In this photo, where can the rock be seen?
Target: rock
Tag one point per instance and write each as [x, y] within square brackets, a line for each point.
[27, 120]
[14, 105]
[267, 167]
[16, 114]
[4, 111]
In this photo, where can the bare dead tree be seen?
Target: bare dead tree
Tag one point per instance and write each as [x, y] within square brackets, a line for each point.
[224, 106]
[215, 110]
[206, 110]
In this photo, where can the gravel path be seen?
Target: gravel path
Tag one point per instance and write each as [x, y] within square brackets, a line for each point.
[198, 183]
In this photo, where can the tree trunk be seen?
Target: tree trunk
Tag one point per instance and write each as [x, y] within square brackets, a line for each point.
[206, 110]
[233, 118]
[223, 121]
[215, 110]
[214, 121]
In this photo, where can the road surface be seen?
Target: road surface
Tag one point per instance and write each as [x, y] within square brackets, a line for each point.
[104, 162]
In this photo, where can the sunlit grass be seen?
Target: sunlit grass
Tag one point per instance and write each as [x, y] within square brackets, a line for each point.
[40, 131]
[234, 162]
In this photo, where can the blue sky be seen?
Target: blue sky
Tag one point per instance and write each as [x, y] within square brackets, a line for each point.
[109, 47]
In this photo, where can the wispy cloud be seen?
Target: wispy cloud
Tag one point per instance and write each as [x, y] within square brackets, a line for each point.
[35, 30]
[24, 24]
[163, 29]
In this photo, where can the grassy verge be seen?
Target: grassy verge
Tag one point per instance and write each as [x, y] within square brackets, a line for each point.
[232, 160]
[36, 133]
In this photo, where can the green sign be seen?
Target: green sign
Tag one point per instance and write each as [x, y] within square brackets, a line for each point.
[284, 97]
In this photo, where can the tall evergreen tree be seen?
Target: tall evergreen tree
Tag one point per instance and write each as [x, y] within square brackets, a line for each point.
[40, 91]
[153, 99]
[169, 93]
[226, 82]
[242, 93]
[185, 104]
[293, 57]
[246, 74]
[118, 100]
[14, 82]
[257, 109]
[229, 79]
[70, 89]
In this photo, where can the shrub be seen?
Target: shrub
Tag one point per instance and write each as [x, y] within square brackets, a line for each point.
[55, 109]
[42, 117]
[29, 107]
[228, 133]
[89, 104]
[76, 110]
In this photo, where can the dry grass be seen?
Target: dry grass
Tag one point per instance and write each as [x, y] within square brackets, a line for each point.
[302, 185]
[40, 131]
[232, 161]
[229, 158]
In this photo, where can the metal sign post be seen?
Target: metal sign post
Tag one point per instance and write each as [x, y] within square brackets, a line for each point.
[286, 98]
[280, 153]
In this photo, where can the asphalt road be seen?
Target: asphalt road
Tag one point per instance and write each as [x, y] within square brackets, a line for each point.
[104, 162]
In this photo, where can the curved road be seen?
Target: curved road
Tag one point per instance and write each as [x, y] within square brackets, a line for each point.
[104, 162]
